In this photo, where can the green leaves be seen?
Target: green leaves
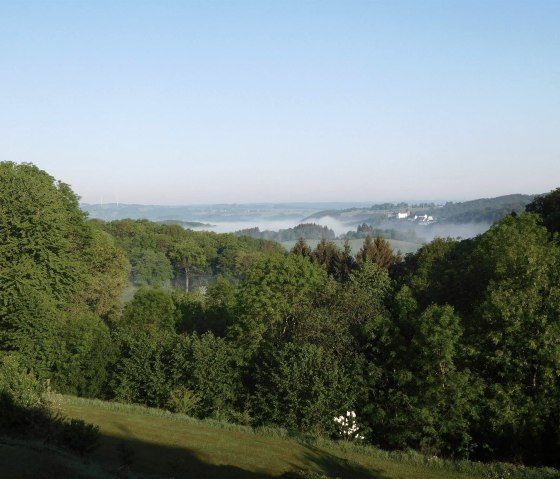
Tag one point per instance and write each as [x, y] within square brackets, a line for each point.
[151, 310]
[40, 224]
[55, 270]
[548, 207]
[301, 387]
[276, 294]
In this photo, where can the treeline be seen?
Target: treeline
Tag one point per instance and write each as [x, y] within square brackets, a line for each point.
[309, 231]
[363, 230]
[379, 207]
[453, 351]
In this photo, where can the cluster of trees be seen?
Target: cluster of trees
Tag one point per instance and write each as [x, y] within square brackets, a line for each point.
[364, 230]
[310, 231]
[454, 350]
[164, 254]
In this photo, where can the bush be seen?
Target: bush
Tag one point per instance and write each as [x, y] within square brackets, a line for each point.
[26, 411]
[183, 400]
[78, 435]
[22, 395]
[22, 387]
[299, 387]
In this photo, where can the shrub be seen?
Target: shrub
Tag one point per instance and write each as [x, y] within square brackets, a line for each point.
[22, 387]
[22, 398]
[183, 400]
[78, 435]
[26, 411]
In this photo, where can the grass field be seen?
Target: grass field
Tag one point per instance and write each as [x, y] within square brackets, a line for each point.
[174, 445]
[138, 442]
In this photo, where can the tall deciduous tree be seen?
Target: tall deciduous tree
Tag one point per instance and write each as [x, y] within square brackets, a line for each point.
[187, 257]
[151, 310]
[55, 270]
[150, 267]
[446, 398]
[107, 275]
[272, 299]
[42, 234]
[515, 332]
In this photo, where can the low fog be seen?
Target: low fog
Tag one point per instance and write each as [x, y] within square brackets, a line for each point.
[452, 230]
[424, 233]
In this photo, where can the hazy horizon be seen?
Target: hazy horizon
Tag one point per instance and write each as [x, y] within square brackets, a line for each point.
[240, 102]
[338, 204]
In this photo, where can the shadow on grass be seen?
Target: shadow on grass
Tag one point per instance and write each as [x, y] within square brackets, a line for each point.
[334, 466]
[134, 458]
[36, 454]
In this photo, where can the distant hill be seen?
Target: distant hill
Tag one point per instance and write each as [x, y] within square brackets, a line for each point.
[278, 220]
[483, 210]
[215, 213]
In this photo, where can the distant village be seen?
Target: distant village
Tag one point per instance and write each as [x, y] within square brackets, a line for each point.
[422, 220]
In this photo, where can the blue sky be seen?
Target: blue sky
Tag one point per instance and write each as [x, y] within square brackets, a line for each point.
[264, 101]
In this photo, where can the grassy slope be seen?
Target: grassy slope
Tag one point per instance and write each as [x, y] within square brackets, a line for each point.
[165, 445]
[138, 442]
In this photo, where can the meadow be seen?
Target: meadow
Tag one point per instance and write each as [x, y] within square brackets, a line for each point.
[140, 442]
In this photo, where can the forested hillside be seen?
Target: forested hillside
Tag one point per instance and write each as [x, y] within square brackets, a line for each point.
[483, 210]
[453, 351]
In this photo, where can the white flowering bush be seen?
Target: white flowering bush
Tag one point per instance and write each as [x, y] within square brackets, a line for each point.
[348, 426]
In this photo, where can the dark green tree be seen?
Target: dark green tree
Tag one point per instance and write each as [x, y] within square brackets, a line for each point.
[514, 333]
[205, 366]
[84, 354]
[301, 387]
[301, 248]
[30, 325]
[378, 251]
[446, 398]
[346, 263]
[548, 207]
[327, 254]
[140, 373]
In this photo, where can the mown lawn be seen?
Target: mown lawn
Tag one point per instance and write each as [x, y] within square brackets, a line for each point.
[138, 442]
